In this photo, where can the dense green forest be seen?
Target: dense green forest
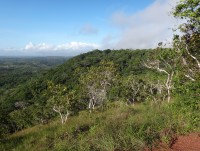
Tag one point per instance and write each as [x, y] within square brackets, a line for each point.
[106, 100]
[16, 70]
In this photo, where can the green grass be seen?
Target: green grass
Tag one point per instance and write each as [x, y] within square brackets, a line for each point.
[118, 127]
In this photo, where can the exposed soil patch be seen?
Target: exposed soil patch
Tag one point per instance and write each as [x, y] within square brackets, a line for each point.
[190, 142]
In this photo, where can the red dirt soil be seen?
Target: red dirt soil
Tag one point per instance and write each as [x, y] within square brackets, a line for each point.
[189, 142]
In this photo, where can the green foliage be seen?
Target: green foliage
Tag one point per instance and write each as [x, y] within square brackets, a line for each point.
[119, 126]
[23, 118]
[189, 10]
[135, 89]
[18, 84]
[57, 94]
[187, 44]
[126, 66]
[59, 100]
[97, 81]
[15, 71]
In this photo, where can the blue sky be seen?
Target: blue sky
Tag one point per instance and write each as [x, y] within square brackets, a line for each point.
[66, 27]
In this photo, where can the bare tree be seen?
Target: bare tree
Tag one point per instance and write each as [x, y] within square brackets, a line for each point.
[164, 61]
[134, 88]
[97, 81]
[168, 84]
[96, 97]
[190, 62]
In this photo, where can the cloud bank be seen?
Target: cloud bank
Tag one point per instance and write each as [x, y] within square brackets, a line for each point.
[44, 49]
[70, 48]
[145, 29]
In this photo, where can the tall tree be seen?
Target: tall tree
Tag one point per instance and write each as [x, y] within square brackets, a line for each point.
[188, 43]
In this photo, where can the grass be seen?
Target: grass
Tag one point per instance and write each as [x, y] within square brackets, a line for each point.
[119, 127]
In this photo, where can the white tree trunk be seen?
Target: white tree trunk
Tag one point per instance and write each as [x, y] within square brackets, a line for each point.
[195, 58]
[168, 83]
[63, 116]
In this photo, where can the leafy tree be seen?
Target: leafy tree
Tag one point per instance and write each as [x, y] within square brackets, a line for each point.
[59, 100]
[188, 43]
[134, 89]
[97, 81]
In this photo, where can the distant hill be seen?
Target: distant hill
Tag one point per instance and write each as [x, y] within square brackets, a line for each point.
[16, 70]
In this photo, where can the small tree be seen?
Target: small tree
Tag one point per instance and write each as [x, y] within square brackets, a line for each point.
[135, 89]
[96, 81]
[138, 89]
[59, 100]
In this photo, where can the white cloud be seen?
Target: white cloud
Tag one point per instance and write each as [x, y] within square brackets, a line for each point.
[77, 46]
[88, 29]
[38, 47]
[146, 28]
[70, 48]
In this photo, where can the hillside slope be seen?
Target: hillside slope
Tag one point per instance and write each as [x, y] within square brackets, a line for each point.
[117, 124]
[33, 93]
[119, 127]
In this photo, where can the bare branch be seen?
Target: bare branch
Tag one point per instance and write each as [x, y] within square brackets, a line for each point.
[156, 66]
[195, 58]
[54, 108]
[189, 77]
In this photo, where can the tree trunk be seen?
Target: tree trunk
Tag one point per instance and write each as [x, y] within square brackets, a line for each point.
[63, 117]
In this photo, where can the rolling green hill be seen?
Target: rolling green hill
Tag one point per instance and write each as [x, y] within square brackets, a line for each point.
[33, 91]
[126, 120]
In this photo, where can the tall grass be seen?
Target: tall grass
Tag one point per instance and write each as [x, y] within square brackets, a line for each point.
[118, 127]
